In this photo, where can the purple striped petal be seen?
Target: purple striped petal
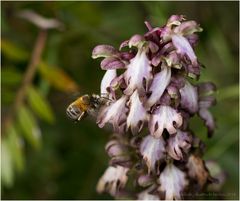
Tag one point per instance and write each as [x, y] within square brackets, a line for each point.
[187, 28]
[138, 72]
[159, 84]
[136, 41]
[103, 51]
[124, 44]
[184, 48]
[112, 63]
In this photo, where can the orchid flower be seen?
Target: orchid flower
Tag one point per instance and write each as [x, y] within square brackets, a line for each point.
[149, 80]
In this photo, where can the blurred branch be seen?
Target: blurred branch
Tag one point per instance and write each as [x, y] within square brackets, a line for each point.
[40, 21]
[43, 24]
[28, 77]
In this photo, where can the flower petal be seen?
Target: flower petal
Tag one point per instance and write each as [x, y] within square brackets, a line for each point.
[124, 44]
[173, 60]
[184, 48]
[114, 113]
[179, 143]
[175, 20]
[152, 150]
[113, 179]
[207, 101]
[172, 182]
[115, 148]
[159, 84]
[193, 39]
[112, 63]
[153, 47]
[164, 50]
[103, 51]
[187, 28]
[138, 72]
[189, 98]
[136, 41]
[107, 79]
[193, 71]
[164, 117]
[206, 88]
[137, 114]
[209, 122]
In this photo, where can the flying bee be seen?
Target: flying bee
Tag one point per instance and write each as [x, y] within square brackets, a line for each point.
[84, 105]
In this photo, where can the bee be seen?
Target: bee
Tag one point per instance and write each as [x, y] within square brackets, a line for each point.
[84, 105]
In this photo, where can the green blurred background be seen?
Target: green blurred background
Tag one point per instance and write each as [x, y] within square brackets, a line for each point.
[68, 159]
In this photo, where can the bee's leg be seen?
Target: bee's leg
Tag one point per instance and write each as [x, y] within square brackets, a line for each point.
[81, 116]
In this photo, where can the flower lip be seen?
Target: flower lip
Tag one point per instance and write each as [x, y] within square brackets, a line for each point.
[164, 117]
[152, 150]
[172, 181]
[179, 144]
[112, 180]
[137, 113]
[112, 115]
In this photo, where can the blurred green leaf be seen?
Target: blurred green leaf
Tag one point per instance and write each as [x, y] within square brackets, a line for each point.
[10, 76]
[16, 148]
[12, 51]
[225, 142]
[7, 173]
[9, 95]
[40, 105]
[221, 46]
[30, 129]
[228, 92]
[58, 78]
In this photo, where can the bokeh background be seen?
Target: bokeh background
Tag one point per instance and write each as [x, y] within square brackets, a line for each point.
[68, 158]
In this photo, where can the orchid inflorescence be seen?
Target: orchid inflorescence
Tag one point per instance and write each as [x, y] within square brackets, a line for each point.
[150, 83]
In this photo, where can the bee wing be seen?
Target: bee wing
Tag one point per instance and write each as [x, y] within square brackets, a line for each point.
[93, 111]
